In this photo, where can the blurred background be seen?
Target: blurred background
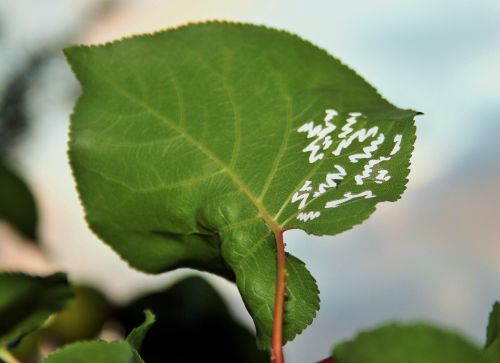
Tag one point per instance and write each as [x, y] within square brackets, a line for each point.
[433, 255]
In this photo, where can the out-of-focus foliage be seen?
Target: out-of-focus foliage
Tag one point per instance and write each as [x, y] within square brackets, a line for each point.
[28, 348]
[493, 334]
[193, 325]
[26, 302]
[17, 204]
[417, 343]
[13, 97]
[104, 352]
[83, 320]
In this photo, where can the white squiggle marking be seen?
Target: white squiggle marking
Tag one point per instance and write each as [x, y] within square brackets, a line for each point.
[307, 186]
[368, 150]
[330, 114]
[327, 142]
[397, 146]
[347, 129]
[309, 216]
[330, 182]
[367, 170]
[361, 135]
[382, 176]
[349, 196]
[321, 134]
[302, 196]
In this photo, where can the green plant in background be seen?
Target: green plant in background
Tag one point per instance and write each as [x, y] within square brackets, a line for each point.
[193, 319]
[412, 343]
[199, 147]
[26, 302]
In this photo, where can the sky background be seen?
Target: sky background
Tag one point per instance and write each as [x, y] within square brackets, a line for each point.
[433, 255]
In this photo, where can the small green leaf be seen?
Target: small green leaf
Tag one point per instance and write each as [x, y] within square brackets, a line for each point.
[27, 301]
[137, 335]
[17, 205]
[95, 352]
[492, 345]
[192, 147]
[409, 343]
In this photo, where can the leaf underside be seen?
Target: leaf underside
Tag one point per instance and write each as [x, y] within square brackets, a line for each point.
[409, 343]
[192, 146]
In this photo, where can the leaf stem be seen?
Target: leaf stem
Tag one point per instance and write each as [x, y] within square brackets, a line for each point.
[7, 356]
[279, 301]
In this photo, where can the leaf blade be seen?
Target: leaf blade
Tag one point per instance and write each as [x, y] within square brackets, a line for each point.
[190, 148]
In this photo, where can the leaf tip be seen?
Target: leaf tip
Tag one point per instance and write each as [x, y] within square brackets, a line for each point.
[137, 335]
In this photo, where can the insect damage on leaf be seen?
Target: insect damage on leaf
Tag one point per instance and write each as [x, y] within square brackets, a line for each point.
[373, 170]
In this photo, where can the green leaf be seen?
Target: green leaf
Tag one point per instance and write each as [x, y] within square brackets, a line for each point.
[190, 314]
[192, 147]
[17, 205]
[409, 343]
[95, 352]
[492, 345]
[27, 301]
[137, 335]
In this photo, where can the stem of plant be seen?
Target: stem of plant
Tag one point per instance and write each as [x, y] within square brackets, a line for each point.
[279, 301]
[7, 356]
